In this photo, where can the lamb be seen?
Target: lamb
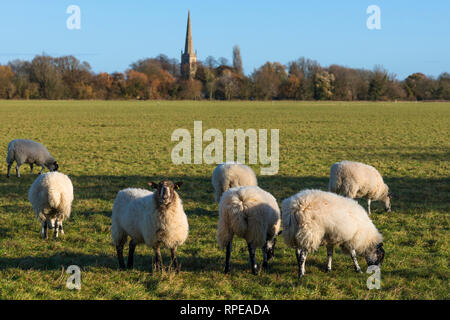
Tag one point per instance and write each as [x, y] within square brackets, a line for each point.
[51, 196]
[359, 180]
[312, 218]
[231, 174]
[154, 218]
[31, 152]
[253, 214]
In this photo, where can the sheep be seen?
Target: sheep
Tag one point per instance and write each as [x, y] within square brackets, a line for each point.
[231, 174]
[51, 196]
[312, 218]
[31, 152]
[154, 218]
[253, 214]
[359, 180]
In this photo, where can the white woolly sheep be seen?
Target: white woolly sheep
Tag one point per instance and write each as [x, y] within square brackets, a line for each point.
[359, 180]
[250, 213]
[229, 175]
[312, 218]
[31, 152]
[154, 218]
[51, 196]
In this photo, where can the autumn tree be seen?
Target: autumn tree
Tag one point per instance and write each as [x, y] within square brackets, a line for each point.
[137, 85]
[323, 82]
[6, 82]
[267, 80]
[44, 72]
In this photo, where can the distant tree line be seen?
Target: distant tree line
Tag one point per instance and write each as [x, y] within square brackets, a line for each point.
[66, 77]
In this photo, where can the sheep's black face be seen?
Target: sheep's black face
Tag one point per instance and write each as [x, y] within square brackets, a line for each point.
[165, 191]
[376, 256]
[53, 167]
[271, 249]
[387, 202]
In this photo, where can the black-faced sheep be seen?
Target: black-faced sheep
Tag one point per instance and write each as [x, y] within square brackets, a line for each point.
[312, 218]
[250, 213]
[154, 218]
[31, 152]
[51, 196]
[359, 180]
[229, 175]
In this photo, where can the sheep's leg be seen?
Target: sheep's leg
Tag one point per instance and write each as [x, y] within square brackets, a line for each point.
[355, 261]
[158, 259]
[131, 248]
[265, 264]
[9, 169]
[119, 249]
[173, 253]
[44, 230]
[31, 168]
[56, 229]
[251, 252]
[301, 259]
[330, 257]
[17, 171]
[60, 226]
[42, 169]
[368, 205]
[227, 257]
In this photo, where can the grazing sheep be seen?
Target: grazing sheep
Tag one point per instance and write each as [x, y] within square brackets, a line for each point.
[154, 218]
[312, 218]
[51, 196]
[250, 213]
[359, 180]
[31, 152]
[229, 175]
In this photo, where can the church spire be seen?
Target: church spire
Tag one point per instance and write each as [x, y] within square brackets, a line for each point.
[189, 46]
[189, 57]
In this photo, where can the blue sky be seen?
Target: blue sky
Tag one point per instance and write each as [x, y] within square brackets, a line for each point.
[414, 35]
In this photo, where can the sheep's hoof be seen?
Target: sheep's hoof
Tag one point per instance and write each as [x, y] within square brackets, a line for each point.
[328, 270]
[358, 271]
[7, 176]
[300, 276]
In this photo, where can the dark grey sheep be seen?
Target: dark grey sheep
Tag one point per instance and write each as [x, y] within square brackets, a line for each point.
[31, 152]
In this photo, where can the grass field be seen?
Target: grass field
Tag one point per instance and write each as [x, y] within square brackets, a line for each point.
[107, 146]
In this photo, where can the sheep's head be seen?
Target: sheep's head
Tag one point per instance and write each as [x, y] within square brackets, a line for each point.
[271, 246]
[387, 201]
[375, 256]
[165, 191]
[53, 166]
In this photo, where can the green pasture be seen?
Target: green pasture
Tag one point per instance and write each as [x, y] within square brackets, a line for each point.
[105, 146]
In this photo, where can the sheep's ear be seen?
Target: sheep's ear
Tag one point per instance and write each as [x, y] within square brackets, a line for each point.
[153, 185]
[178, 185]
[279, 232]
[380, 245]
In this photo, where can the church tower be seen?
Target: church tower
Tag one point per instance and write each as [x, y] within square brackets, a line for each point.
[189, 57]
